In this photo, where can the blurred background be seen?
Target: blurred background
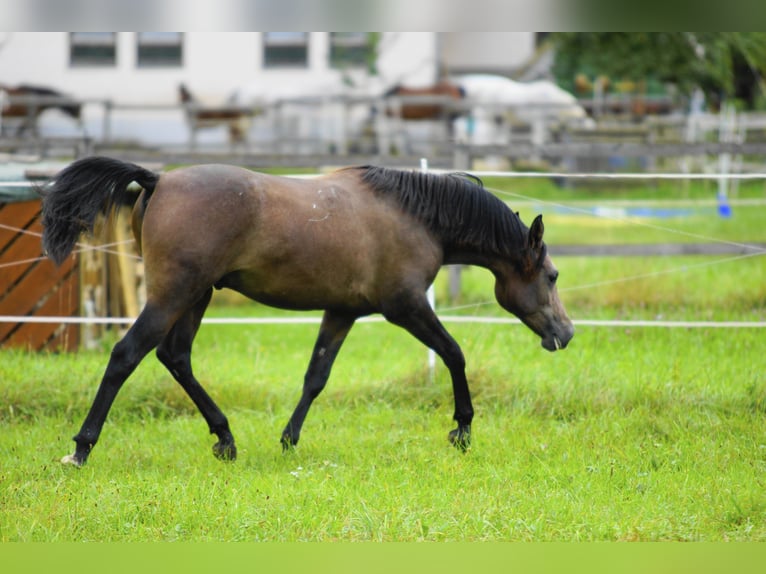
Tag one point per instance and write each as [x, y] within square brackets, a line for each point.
[462, 99]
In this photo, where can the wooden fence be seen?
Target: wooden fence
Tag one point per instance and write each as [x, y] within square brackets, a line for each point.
[33, 286]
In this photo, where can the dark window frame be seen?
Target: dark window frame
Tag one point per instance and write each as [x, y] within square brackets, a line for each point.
[159, 49]
[285, 50]
[92, 49]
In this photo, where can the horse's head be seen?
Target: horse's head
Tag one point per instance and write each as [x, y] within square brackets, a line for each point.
[527, 288]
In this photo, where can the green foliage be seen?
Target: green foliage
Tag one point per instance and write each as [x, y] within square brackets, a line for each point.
[720, 63]
[624, 55]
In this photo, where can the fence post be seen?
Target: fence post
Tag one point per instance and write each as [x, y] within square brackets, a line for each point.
[726, 134]
[431, 295]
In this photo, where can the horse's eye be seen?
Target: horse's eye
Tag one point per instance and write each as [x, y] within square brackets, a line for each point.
[553, 276]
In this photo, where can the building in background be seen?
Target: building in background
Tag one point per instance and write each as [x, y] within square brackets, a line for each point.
[140, 67]
[243, 68]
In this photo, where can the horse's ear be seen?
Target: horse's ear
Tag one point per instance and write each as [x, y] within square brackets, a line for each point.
[536, 233]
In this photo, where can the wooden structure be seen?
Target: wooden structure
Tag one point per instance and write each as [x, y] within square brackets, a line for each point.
[31, 285]
[103, 279]
[111, 273]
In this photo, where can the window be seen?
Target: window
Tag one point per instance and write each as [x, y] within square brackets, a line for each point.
[350, 49]
[93, 48]
[285, 49]
[159, 49]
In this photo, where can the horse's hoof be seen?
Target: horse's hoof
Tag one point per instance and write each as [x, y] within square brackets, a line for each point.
[288, 442]
[460, 439]
[72, 460]
[227, 452]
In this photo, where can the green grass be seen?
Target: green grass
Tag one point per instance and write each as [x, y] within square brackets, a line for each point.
[610, 190]
[629, 434]
[703, 288]
[702, 226]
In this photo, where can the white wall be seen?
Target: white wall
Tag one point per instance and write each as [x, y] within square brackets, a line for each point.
[486, 51]
[214, 66]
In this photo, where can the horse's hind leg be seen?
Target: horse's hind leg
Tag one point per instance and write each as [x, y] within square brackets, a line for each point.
[332, 333]
[142, 337]
[175, 353]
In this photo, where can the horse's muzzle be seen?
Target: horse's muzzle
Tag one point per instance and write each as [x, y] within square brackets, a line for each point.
[558, 339]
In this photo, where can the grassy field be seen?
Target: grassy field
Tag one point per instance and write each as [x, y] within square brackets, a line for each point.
[629, 434]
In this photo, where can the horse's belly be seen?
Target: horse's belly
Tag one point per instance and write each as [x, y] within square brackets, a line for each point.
[300, 291]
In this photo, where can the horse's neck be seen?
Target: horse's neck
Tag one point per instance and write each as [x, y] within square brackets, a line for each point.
[468, 256]
[468, 247]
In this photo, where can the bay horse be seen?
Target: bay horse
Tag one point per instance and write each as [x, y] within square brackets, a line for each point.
[27, 102]
[357, 241]
[235, 118]
[430, 108]
[428, 104]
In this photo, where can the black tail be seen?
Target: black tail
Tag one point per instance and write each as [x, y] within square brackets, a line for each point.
[78, 193]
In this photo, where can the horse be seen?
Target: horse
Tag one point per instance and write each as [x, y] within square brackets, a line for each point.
[236, 119]
[436, 103]
[27, 102]
[354, 242]
[432, 107]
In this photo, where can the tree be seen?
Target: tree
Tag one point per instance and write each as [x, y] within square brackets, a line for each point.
[725, 65]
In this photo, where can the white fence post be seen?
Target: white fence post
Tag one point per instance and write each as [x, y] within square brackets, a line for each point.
[431, 294]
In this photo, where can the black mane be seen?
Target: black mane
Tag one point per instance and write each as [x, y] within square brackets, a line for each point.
[455, 207]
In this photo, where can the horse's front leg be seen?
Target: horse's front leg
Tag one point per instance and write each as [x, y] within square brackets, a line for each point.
[332, 333]
[413, 313]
